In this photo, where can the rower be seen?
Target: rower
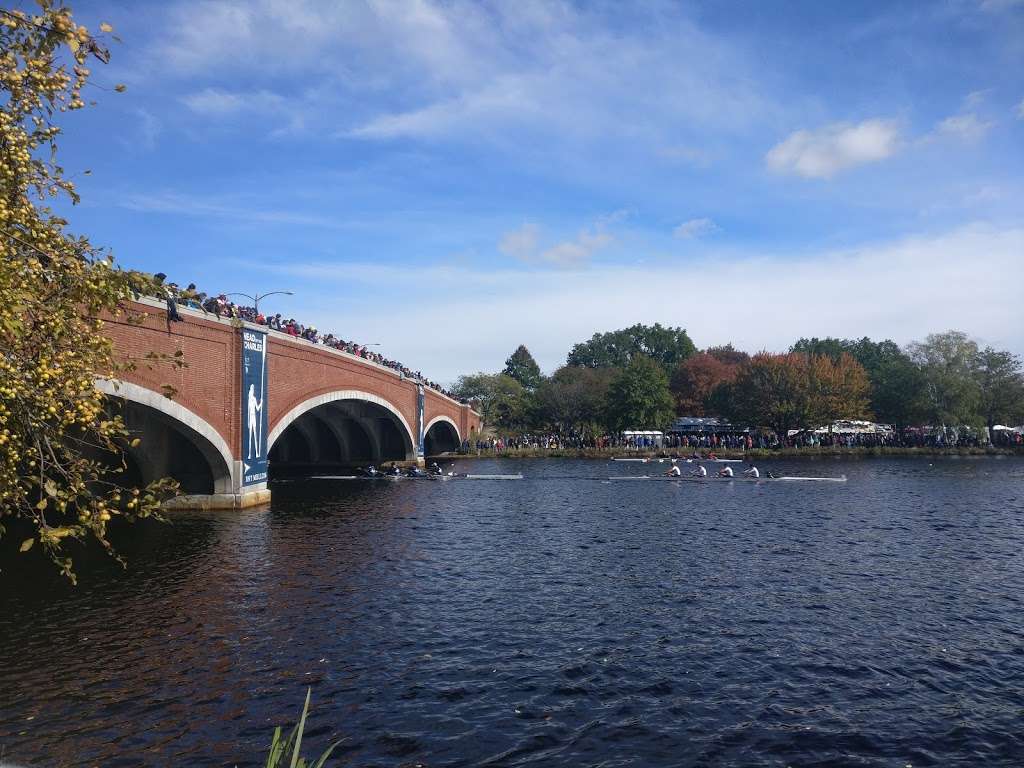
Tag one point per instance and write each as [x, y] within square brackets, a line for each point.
[700, 471]
[751, 471]
[396, 471]
[435, 469]
[725, 472]
[371, 471]
[416, 472]
[675, 471]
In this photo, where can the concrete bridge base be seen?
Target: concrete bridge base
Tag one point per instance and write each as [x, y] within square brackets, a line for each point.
[219, 500]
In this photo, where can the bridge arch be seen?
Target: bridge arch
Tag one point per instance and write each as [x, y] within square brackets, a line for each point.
[441, 435]
[156, 457]
[331, 408]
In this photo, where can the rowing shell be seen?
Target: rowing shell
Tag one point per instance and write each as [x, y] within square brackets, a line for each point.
[841, 479]
[423, 477]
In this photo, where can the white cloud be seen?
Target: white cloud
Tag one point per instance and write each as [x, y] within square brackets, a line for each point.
[966, 127]
[694, 228]
[469, 69]
[578, 251]
[227, 209]
[214, 102]
[1020, 110]
[149, 128]
[520, 243]
[900, 290]
[523, 243]
[823, 153]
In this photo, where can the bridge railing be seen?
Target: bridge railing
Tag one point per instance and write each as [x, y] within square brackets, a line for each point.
[281, 335]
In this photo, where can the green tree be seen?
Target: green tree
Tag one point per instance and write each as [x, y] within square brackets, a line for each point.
[615, 349]
[523, 368]
[500, 399]
[60, 451]
[948, 362]
[1001, 387]
[639, 397]
[573, 399]
[728, 354]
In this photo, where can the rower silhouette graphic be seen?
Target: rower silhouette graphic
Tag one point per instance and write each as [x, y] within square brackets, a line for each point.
[255, 408]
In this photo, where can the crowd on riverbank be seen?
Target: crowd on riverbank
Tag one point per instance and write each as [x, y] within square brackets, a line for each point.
[222, 306]
[911, 438]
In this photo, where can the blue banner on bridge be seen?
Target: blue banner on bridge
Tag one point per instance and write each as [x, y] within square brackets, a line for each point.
[420, 402]
[254, 411]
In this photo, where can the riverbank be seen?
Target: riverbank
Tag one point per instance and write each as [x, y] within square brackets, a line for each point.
[755, 453]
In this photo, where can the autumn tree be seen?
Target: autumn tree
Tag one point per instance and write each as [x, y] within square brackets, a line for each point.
[695, 380]
[639, 397]
[61, 452]
[665, 345]
[796, 391]
[896, 382]
[523, 368]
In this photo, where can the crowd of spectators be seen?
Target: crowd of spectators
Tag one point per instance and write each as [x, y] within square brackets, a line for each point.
[907, 438]
[222, 306]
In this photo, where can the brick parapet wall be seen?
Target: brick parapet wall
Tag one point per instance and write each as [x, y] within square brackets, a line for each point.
[297, 371]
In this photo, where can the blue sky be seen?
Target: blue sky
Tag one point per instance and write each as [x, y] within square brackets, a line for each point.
[452, 179]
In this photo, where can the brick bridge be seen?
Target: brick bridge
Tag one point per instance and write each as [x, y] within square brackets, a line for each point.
[252, 400]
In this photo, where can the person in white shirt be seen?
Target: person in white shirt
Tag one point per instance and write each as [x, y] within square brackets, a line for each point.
[675, 471]
[725, 472]
[700, 471]
[751, 471]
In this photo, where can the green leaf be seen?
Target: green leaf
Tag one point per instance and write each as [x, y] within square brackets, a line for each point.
[26, 545]
[299, 729]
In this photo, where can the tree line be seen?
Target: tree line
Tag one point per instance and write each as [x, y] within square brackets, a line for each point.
[642, 377]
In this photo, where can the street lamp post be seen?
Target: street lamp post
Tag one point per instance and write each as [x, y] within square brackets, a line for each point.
[258, 296]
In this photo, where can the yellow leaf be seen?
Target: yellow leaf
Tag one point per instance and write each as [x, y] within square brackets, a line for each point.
[41, 504]
[26, 545]
[104, 27]
[73, 44]
[120, 87]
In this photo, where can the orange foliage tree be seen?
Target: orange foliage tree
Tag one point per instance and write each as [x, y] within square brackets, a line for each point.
[797, 391]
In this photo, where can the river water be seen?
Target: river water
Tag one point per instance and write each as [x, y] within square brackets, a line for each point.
[554, 621]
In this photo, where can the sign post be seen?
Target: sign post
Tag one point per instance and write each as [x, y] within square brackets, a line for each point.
[254, 410]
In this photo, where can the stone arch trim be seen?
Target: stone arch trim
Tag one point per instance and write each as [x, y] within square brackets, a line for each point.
[446, 419]
[331, 397]
[193, 423]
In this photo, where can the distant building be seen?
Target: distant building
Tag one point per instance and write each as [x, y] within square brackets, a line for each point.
[704, 425]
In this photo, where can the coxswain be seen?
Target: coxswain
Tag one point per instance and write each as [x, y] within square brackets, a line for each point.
[751, 471]
[700, 471]
[725, 472]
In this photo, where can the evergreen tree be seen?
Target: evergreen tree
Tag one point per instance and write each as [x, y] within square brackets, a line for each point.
[523, 368]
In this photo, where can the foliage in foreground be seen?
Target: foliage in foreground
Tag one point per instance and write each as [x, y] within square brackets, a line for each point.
[61, 451]
[287, 752]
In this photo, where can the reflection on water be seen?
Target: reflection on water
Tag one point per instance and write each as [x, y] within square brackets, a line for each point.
[554, 621]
